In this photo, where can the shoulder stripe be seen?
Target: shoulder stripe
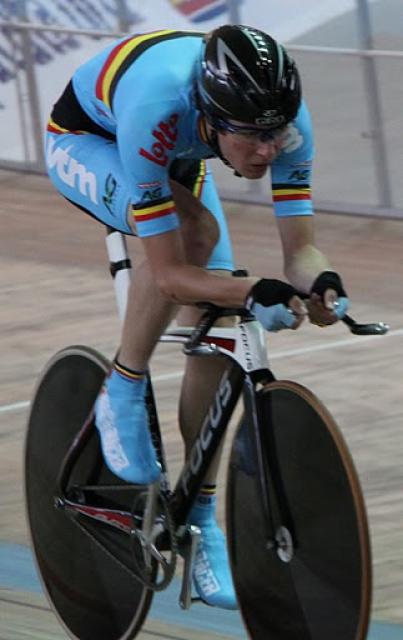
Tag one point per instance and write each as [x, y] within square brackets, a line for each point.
[123, 55]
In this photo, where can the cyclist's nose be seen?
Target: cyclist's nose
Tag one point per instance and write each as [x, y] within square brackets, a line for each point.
[268, 149]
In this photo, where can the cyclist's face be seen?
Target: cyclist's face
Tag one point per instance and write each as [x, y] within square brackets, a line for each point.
[247, 150]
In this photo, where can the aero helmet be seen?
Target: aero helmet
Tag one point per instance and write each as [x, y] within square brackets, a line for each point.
[245, 75]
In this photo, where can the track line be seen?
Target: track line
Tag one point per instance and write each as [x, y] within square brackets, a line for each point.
[356, 341]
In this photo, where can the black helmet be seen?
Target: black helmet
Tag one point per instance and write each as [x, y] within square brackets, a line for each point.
[243, 74]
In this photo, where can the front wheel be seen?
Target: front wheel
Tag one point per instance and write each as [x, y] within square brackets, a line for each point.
[85, 567]
[297, 527]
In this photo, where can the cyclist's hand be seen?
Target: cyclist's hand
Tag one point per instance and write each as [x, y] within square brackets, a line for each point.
[328, 301]
[276, 305]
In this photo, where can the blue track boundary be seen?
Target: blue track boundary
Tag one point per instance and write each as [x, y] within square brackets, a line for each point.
[18, 573]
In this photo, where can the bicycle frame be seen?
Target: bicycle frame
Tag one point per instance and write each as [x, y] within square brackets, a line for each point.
[243, 344]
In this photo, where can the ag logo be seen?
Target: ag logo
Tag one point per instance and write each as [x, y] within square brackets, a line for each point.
[301, 175]
[151, 194]
[110, 193]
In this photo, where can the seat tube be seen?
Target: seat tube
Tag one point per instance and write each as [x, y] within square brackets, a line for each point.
[120, 268]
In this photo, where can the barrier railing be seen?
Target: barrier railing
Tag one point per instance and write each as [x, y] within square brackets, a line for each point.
[387, 202]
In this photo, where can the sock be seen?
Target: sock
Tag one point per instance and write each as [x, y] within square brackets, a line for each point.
[207, 494]
[204, 507]
[131, 375]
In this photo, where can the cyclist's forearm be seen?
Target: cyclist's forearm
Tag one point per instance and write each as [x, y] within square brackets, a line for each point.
[303, 267]
[188, 284]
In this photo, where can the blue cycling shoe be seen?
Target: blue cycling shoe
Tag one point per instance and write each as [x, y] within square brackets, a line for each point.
[122, 422]
[211, 574]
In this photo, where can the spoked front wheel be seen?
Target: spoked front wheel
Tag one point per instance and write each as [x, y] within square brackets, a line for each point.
[297, 527]
[86, 566]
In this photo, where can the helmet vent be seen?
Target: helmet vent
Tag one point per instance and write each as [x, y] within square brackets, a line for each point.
[224, 54]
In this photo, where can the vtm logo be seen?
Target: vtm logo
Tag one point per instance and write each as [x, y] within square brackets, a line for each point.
[166, 134]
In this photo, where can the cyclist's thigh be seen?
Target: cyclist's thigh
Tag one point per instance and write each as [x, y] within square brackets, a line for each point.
[86, 169]
[197, 177]
[221, 257]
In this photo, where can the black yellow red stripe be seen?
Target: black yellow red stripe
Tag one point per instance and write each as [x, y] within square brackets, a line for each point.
[208, 490]
[55, 128]
[154, 210]
[199, 182]
[202, 129]
[290, 192]
[128, 373]
[122, 56]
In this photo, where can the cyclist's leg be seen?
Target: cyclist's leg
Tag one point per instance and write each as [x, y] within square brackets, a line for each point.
[86, 170]
[212, 576]
[148, 311]
[202, 375]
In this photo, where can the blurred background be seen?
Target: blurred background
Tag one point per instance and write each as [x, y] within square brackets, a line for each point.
[55, 288]
[350, 53]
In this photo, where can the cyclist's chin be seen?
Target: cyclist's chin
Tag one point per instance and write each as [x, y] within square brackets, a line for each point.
[255, 171]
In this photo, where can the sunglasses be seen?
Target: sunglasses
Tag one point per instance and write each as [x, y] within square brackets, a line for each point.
[251, 134]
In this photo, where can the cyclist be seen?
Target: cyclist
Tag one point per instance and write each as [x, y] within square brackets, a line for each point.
[127, 142]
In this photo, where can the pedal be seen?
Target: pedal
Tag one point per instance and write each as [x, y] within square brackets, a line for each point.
[188, 552]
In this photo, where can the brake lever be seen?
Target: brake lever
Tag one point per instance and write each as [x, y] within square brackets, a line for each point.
[370, 329]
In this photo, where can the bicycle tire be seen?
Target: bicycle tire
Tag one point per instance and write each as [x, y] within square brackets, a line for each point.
[84, 565]
[318, 585]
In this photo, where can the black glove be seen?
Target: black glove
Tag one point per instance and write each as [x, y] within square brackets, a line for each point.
[267, 292]
[331, 280]
[328, 280]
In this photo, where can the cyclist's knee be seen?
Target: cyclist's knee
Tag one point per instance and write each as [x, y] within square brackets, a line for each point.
[200, 231]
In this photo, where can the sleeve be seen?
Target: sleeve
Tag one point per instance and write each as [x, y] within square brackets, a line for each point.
[147, 136]
[291, 171]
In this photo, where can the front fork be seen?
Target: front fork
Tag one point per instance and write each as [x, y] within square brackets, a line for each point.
[279, 528]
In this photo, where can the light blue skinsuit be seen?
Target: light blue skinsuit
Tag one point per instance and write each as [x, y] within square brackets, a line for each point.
[128, 121]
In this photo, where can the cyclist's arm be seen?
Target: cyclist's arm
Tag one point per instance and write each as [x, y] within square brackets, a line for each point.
[187, 284]
[146, 160]
[303, 261]
[184, 283]
[291, 185]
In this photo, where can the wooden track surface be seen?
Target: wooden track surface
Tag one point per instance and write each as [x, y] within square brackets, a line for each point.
[55, 291]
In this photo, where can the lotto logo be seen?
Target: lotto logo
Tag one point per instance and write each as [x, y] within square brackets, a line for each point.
[165, 134]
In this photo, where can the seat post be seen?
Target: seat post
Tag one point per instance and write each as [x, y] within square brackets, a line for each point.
[120, 267]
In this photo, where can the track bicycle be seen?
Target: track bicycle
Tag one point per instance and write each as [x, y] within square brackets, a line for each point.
[296, 522]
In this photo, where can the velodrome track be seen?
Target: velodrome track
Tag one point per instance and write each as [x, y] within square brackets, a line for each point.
[55, 291]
